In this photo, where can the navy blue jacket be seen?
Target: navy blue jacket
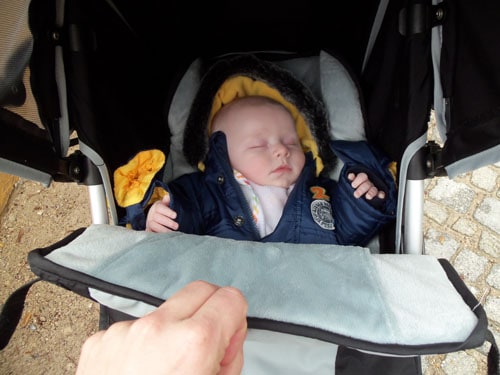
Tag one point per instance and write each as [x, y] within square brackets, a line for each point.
[318, 210]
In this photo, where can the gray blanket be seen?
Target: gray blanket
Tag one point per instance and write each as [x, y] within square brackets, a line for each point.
[395, 299]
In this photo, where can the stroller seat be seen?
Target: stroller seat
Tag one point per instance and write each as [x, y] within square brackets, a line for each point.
[326, 76]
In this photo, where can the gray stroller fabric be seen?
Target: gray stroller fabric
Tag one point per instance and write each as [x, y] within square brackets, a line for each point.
[379, 298]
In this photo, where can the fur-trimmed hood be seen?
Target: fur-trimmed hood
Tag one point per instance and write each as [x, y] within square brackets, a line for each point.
[253, 76]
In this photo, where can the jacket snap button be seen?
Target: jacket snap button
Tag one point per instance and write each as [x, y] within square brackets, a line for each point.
[220, 180]
[239, 221]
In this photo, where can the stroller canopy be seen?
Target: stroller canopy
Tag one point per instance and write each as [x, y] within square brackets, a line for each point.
[108, 70]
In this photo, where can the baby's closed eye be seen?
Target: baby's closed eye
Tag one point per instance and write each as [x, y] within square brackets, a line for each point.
[257, 145]
[291, 141]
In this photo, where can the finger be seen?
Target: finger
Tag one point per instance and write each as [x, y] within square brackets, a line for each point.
[166, 211]
[160, 224]
[166, 199]
[226, 311]
[101, 349]
[362, 189]
[235, 366]
[234, 313]
[360, 179]
[371, 193]
[233, 356]
[165, 222]
[184, 303]
[156, 227]
[161, 215]
[88, 352]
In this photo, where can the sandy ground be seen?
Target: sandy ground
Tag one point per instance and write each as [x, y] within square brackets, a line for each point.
[55, 321]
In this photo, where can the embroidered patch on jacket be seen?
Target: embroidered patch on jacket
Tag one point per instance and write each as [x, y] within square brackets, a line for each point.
[321, 212]
[319, 192]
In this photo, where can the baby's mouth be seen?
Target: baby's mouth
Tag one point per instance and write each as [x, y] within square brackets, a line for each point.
[282, 168]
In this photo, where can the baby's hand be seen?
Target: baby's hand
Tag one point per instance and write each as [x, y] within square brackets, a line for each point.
[364, 186]
[161, 218]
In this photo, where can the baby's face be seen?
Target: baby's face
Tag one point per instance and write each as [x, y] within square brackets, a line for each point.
[262, 141]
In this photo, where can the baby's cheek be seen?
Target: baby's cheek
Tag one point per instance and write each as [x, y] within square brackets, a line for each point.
[299, 160]
[256, 169]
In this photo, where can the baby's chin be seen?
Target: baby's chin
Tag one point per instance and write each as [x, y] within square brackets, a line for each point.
[283, 180]
[282, 184]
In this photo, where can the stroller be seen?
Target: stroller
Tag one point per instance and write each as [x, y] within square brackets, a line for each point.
[120, 77]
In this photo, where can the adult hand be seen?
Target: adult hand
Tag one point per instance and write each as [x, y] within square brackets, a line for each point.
[199, 330]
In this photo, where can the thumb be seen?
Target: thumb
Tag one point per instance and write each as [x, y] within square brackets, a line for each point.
[166, 198]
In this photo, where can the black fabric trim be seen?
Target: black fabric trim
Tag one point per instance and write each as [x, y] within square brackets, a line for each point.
[76, 281]
[335, 338]
[63, 242]
[108, 316]
[353, 362]
[79, 282]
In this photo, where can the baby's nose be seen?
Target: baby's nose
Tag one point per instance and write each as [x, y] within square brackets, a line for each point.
[281, 150]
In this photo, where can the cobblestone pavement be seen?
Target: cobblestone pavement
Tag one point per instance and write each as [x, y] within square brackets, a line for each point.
[462, 224]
